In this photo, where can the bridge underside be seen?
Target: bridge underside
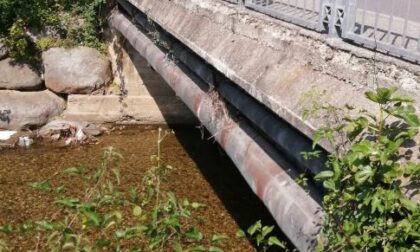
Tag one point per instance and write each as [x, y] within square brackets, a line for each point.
[261, 69]
[278, 63]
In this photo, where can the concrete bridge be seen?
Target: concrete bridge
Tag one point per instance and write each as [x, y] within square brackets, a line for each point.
[243, 74]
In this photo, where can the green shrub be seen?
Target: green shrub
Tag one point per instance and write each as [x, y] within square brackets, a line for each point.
[366, 204]
[71, 22]
[17, 42]
[45, 43]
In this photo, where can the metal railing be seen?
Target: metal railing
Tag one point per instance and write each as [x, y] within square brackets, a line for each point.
[392, 26]
[301, 12]
[233, 1]
[389, 26]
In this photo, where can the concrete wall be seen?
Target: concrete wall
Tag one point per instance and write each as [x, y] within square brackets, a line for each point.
[279, 63]
[138, 94]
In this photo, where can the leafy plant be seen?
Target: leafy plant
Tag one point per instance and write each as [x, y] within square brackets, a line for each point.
[17, 42]
[46, 187]
[367, 205]
[7, 229]
[31, 26]
[260, 235]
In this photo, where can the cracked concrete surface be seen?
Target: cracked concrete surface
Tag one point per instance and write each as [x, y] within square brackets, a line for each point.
[277, 62]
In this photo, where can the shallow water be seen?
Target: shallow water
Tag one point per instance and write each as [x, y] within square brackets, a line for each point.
[202, 173]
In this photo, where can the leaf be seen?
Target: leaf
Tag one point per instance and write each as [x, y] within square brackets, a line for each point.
[59, 189]
[44, 225]
[7, 229]
[402, 98]
[259, 239]
[68, 246]
[324, 175]
[117, 175]
[43, 185]
[79, 170]
[194, 233]
[240, 234]
[317, 137]
[407, 113]
[173, 221]
[215, 249]
[267, 230]
[177, 247]
[185, 202]
[70, 203]
[329, 184]
[376, 204]
[130, 232]
[137, 211]
[71, 170]
[372, 96]
[102, 243]
[120, 234]
[172, 199]
[349, 227]
[413, 120]
[197, 205]
[272, 240]
[254, 228]
[218, 237]
[92, 218]
[381, 95]
[199, 248]
[25, 227]
[111, 219]
[409, 204]
[365, 174]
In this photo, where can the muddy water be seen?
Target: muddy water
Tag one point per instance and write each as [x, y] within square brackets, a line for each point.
[202, 172]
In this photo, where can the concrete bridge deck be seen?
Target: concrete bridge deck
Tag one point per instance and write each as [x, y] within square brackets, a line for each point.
[276, 62]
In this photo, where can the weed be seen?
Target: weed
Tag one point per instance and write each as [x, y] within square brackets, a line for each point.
[260, 235]
[31, 26]
[366, 207]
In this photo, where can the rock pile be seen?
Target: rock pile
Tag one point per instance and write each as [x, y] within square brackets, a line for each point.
[26, 101]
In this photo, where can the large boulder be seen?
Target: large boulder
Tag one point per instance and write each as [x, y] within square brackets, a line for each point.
[18, 76]
[28, 109]
[79, 70]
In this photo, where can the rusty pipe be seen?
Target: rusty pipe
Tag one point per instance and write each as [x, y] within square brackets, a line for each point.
[267, 173]
[286, 138]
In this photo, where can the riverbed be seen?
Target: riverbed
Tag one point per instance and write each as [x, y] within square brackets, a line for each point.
[201, 172]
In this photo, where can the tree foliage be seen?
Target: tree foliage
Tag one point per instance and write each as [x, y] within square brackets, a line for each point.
[63, 22]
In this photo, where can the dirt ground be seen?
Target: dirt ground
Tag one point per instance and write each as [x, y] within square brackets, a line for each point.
[202, 173]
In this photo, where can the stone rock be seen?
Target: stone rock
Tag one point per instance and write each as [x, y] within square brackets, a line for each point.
[28, 109]
[3, 51]
[18, 76]
[79, 70]
[69, 129]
